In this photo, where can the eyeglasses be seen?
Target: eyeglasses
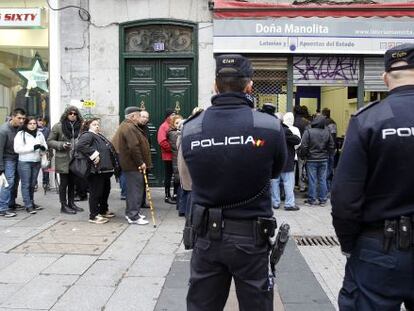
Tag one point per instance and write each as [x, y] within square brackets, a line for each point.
[73, 114]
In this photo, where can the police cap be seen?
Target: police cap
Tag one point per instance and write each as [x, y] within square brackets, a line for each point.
[233, 65]
[400, 53]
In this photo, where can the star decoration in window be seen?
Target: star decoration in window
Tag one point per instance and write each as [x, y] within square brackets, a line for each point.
[36, 76]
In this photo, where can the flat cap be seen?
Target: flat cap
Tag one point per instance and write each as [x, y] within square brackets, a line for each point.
[400, 53]
[130, 110]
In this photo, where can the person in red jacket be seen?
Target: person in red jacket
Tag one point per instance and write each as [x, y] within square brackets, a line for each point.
[166, 154]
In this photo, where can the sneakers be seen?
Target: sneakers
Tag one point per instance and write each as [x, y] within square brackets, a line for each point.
[30, 210]
[99, 220]
[108, 214]
[322, 203]
[309, 203]
[292, 208]
[169, 200]
[276, 206]
[142, 216]
[7, 214]
[37, 207]
[123, 198]
[138, 221]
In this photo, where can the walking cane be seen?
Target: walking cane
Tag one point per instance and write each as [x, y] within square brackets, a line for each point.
[149, 198]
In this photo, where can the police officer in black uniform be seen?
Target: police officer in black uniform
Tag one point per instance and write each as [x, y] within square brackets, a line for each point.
[373, 195]
[232, 152]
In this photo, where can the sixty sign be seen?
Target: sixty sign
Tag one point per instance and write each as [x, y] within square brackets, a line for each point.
[20, 17]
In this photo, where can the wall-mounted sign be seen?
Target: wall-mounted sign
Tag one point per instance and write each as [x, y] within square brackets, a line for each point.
[312, 35]
[158, 46]
[89, 103]
[21, 17]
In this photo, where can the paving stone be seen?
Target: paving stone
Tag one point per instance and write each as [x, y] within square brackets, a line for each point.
[56, 248]
[24, 269]
[71, 264]
[136, 294]
[105, 273]
[156, 247]
[90, 298]
[39, 294]
[7, 290]
[7, 259]
[151, 265]
[122, 250]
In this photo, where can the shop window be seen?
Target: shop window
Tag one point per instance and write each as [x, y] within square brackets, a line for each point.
[24, 62]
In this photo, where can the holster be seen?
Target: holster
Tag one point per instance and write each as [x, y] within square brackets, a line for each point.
[265, 229]
[195, 224]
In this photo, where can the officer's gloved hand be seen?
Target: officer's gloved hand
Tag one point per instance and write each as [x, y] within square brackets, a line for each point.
[37, 146]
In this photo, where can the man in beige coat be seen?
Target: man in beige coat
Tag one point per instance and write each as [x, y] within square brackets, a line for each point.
[134, 156]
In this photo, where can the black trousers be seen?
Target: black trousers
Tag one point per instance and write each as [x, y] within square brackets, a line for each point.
[168, 170]
[99, 189]
[215, 262]
[67, 185]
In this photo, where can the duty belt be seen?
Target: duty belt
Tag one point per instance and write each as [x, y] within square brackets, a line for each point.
[400, 231]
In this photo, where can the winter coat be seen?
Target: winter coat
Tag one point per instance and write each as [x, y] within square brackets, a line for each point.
[289, 119]
[172, 139]
[291, 141]
[24, 146]
[185, 178]
[7, 134]
[162, 138]
[57, 139]
[317, 141]
[132, 146]
[92, 145]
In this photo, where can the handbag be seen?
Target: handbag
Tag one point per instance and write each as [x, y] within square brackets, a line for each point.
[80, 165]
[44, 161]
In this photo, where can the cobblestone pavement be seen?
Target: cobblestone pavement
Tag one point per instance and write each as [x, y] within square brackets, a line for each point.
[51, 261]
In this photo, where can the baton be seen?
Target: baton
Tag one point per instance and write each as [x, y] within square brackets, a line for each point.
[149, 198]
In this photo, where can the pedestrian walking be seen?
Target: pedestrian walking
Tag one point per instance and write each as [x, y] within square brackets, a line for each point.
[372, 201]
[29, 144]
[62, 139]
[232, 152]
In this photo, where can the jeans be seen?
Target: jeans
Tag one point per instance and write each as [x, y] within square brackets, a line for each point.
[330, 172]
[317, 178]
[288, 180]
[122, 184]
[6, 193]
[28, 172]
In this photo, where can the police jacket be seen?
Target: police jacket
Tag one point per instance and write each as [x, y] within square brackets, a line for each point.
[232, 152]
[317, 141]
[375, 175]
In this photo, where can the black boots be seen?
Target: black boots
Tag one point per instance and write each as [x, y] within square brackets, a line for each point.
[170, 200]
[65, 209]
[73, 206]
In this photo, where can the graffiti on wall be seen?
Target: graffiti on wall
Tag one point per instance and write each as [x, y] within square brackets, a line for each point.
[326, 68]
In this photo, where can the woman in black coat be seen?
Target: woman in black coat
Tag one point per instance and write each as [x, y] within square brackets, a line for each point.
[104, 163]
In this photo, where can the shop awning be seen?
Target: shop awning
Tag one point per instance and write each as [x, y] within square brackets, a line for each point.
[236, 9]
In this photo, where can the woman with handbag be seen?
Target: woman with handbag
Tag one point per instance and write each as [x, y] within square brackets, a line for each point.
[29, 144]
[63, 138]
[104, 163]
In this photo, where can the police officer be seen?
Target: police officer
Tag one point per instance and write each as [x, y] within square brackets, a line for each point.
[372, 195]
[232, 152]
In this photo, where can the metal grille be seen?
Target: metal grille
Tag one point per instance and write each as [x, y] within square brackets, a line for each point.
[270, 82]
[373, 69]
[316, 240]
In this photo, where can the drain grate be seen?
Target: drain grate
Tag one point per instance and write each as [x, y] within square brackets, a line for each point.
[308, 240]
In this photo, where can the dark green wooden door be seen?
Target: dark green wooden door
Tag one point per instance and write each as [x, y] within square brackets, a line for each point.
[159, 84]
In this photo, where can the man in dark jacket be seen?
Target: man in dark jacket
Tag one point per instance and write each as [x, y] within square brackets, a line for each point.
[8, 159]
[135, 158]
[317, 145]
[288, 175]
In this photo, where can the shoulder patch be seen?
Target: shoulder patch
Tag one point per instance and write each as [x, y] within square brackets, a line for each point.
[366, 107]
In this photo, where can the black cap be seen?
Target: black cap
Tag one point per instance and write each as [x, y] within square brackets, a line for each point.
[233, 65]
[130, 110]
[168, 112]
[400, 53]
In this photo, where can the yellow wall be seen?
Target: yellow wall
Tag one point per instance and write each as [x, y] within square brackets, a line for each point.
[336, 99]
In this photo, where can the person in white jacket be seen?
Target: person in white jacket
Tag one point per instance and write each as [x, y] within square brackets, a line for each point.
[29, 144]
